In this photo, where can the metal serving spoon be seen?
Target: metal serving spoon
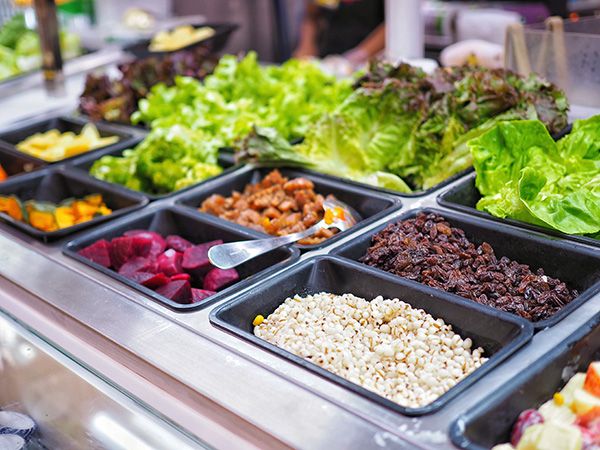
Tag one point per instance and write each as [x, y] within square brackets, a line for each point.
[225, 256]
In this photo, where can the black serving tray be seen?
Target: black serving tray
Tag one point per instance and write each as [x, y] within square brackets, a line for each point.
[85, 162]
[16, 163]
[368, 204]
[497, 332]
[215, 43]
[575, 264]
[63, 124]
[491, 422]
[171, 220]
[464, 197]
[59, 183]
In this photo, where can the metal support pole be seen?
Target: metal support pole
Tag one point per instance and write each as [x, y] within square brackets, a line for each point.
[47, 24]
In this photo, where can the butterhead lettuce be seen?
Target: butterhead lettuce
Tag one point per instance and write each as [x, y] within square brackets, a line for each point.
[523, 174]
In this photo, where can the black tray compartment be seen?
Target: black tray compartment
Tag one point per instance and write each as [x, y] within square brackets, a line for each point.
[171, 220]
[464, 197]
[85, 163]
[63, 124]
[59, 183]
[497, 332]
[574, 264]
[370, 205]
[16, 163]
[491, 422]
[215, 43]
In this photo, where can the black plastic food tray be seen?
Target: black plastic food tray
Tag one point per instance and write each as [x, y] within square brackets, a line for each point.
[464, 197]
[16, 163]
[491, 422]
[572, 263]
[85, 162]
[498, 333]
[57, 184]
[171, 220]
[370, 205]
[215, 43]
[63, 124]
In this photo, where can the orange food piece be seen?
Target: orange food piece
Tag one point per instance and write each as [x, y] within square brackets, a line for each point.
[592, 379]
[42, 220]
[3, 174]
[14, 208]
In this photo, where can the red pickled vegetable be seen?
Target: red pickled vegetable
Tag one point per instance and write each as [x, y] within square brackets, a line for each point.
[179, 291]
[218, 278]
[157, 280]
[136, 264]
[200, 294]
[195, 259]
[98, 252]
[178, 243]
[169, 263]
[158, 242]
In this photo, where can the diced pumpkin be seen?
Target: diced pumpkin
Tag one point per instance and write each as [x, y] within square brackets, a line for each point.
[103, 210]
[82, 209]
[64, 217]
[93, 199]
[15, 208]
[42, 220]
[3, 203]
[3, 174]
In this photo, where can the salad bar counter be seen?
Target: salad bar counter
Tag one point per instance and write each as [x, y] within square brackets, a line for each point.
[466, 292]
[206, 356]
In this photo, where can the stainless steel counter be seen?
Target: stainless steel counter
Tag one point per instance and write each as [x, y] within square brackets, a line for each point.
[226, 392]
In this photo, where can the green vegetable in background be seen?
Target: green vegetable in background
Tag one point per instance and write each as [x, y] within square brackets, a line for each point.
[205, 117]
[12, 30]
[401, 128]
[166, 160]
[522, 173]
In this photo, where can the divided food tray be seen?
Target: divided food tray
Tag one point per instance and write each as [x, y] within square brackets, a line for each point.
[370, 205]
[464, 197]
[63, 124]
[498, 333]
[59, 183]
[215, 43]
[491, 422]
[576, 265]
[171, 220]
[85, 162]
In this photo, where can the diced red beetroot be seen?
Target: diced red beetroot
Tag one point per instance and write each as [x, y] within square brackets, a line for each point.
[195, 259]
[139, 277]
[178, 243]
[123, 248]
[218, 278]
[181, 276]
[98, 252]
[157, 280]
[200, 294]
[158, 242]
[169, 263]
[137, 264]
[179, 291]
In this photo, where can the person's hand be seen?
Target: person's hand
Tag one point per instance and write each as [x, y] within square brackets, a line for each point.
[356, 56]
[305, 52]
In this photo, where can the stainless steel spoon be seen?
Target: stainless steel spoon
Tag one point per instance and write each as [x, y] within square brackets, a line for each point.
[232, 254]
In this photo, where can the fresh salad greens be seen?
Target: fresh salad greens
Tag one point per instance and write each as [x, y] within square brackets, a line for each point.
[20, 49]
[523, 174]
[401, 127]
[166, 160]
[192, 120]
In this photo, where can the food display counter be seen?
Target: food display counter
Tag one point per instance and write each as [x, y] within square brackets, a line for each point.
[224, 391]
[195, 377]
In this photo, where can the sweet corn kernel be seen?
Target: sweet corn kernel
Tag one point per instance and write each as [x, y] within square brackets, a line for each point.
[559, 399]
[258, 320]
